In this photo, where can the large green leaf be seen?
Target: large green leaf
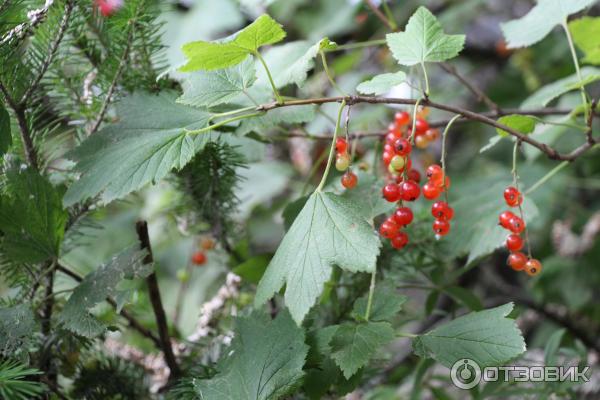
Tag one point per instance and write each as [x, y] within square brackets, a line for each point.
[367, 196]
[520, 123]
[99, 285]
[476, 218]
[329, 230]
[147, 142]
[381, 84]
[540, 20]
[17, 326]
[423, 40]
[547, 93]
[354, 344]
[264, 361]
[32, 218]
[233, 50]
[387, 302]
[586, 35]
[211, 88]
[5, 136]
[487, 337]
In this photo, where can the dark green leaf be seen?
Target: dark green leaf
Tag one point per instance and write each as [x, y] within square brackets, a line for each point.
[387, 302]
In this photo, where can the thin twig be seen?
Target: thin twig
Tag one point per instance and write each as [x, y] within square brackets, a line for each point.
[380, 15]
[141, 228]
[479, 94]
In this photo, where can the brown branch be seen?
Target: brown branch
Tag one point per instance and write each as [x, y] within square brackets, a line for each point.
[64, 23]
[479, 94]
[141, 228]
[379, 14]
[467, 114]
[133, 323]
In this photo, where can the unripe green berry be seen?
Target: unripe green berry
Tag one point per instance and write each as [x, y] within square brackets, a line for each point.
[398, 163]
[342, 162]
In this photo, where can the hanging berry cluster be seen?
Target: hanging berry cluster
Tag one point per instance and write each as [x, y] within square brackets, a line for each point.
[517, 260]
[342, 163]
[403, 181]
[199, 256]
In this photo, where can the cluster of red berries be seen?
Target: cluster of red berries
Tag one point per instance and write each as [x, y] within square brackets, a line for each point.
[514, 242]
[199, 256]
[109, 7]
[342, 163]
[438, 182]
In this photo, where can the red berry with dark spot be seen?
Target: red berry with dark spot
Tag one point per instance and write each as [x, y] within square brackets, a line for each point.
[514, 242]
[400, 240]
[430, 191]
[402, 118]
[504, 218]
[533, 267]
[410, 191]
[403, 216]
[341, 145]
[435, 174]
[199, 258]
[391, 192]
[349, 180]
[389, 229]
[517, 261]
[441, 227]
[441, 210]
[413, 175]
[402, 147]
[516, 225]
[512, 196]
[421, 126]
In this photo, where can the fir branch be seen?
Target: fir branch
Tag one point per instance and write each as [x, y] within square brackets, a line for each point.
[20, 31]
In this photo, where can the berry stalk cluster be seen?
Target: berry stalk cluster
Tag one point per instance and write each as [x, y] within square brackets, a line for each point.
[342, 163]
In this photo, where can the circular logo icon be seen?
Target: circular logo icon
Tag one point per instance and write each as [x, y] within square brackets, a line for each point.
[465, 374]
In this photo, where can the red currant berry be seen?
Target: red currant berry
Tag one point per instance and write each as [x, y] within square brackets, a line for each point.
[402, 118]
[421, 126]
[533, 267]
[432, 134]
[513, 196]
[516, 225]
[410, 191]
[504, 218]
[394, 130]
[199, 258]
[349, 180]
[390, 138]
[389, 148]
[391, 192]
[441, 227]
[434, 174]
[341, 145]
[400, 241]
[413, 175]
[430, 191]
[402, 147]
[403, 216]
[389, 229]
[517, 261]
[514, 242]
[207, 243]
[446, 185]
[421, 142]
[387, 157]
[441, 210]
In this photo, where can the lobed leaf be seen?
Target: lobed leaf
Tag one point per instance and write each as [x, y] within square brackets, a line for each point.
[381, 84]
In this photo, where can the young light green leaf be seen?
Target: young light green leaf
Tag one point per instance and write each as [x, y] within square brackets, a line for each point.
[211, 88]
[424, 41]
[381, 84]
[216, 55]
[5, 135]
[354, 344]
[387, 302]
[520, 123]
[555, 89]
[264, 361]
[328, 231]
[99, 285]
[32, 218]
[586, 35]
[149, 141]
[540, 21]
[487, 337]
[17, 327]
[476, 217]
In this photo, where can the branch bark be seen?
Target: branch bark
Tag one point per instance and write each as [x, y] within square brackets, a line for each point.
[159, 312]
[478, 93]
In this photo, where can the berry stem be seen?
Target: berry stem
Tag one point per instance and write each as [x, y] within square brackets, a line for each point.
[577, 70]
[426, 80]
[357, 45]
[275, 91]
[224, 122]
[371, 291]
[332, 148]
[546, 177]
[516, 185]
[443, 156]
[314, 170]
[414, 122]
[328, 73]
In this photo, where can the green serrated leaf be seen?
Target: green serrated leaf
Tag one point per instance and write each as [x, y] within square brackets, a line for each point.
[381, 84]
[476, 218]
[147, 142]
[547, 93]
[253, 269]
[211, 88]
[423, 41]
[355, 343]
[32, 218]
[264, 361]
[540, 21]
[487, 337]
[387, 302]
[216, 55]
[99, 285]
[328, 231]
[17, 327]
[520, 123]
[586, 35]
[5, 135]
